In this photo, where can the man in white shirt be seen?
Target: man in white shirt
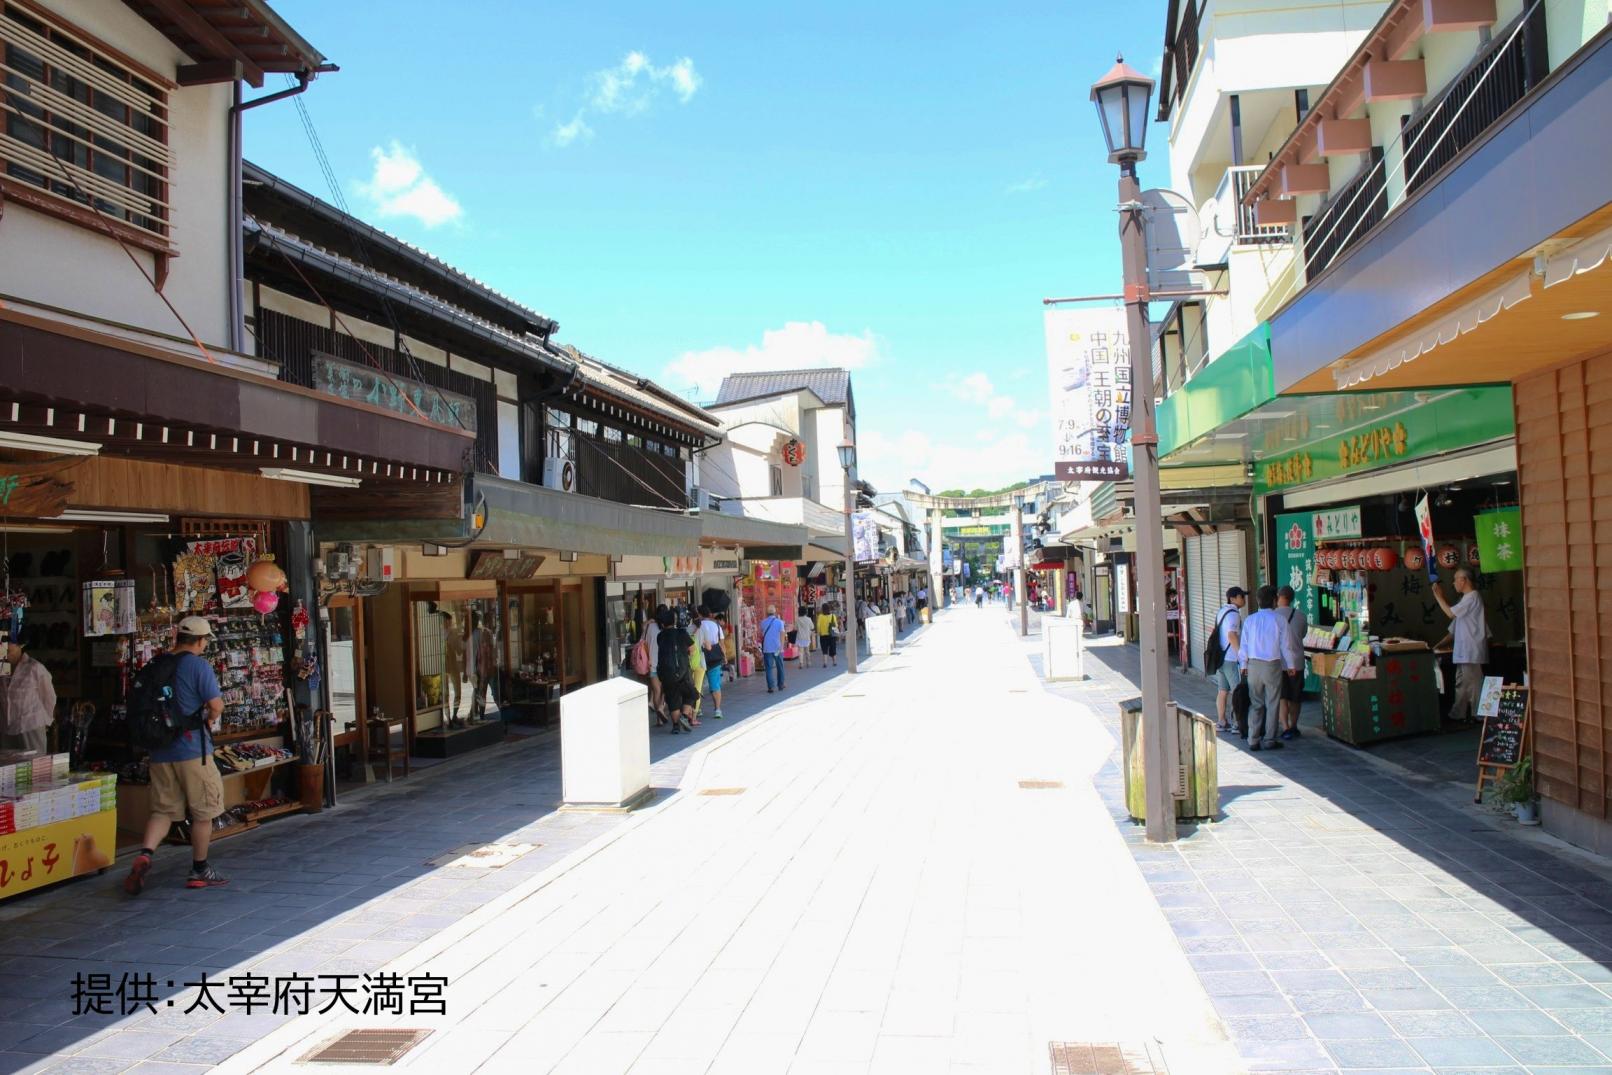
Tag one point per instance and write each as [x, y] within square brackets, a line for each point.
[1228, 623]
[1469, 628]
[709, 635]
[1298, 625]
[1267, 652]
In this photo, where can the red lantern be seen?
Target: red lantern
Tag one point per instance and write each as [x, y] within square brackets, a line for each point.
[1449, 557]
[1351, 559]
[1386, 559]
[1325, 558]
[1415, 560]
[1472, 555]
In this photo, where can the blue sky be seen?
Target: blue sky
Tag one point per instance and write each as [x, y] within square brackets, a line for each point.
[687, 188]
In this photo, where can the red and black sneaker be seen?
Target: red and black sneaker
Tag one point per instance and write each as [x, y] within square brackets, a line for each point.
[135, 883]
[208, 878]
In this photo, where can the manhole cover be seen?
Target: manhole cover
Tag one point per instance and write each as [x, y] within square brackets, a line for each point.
[367, 1047]
[721, 791]
[1104, 1058]
[1040, 785]
[482, 856]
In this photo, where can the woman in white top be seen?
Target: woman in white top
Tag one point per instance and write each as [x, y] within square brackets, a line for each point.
[805, 634]
[652, 638]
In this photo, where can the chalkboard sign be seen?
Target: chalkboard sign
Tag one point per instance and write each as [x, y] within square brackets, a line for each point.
[1502, 742]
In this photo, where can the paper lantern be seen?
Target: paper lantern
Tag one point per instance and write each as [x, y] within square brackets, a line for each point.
[265, 602]
[1472, 555]
[1414, 559]
[1351, 559]
[1385, 559]
[1449, 556]
[265, 576]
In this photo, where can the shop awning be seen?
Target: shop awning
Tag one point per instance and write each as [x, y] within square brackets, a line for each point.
[761, 539]
[826, 547]
[532, 516]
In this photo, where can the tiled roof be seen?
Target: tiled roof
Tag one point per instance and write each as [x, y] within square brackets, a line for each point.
[640, 391]
[832, 386]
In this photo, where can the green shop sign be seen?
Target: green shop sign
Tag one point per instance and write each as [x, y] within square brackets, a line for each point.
[1410, 426]
[1295, 565]
[1499, 540]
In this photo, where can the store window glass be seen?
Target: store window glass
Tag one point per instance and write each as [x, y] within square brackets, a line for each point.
[573, 653]
[612, 435]
[448, 635]
[340, 631]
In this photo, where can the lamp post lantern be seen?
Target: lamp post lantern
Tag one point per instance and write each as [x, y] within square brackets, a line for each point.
[1122, 97]
[848, 613]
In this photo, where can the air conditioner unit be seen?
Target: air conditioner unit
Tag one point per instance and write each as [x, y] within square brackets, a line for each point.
[560, 474]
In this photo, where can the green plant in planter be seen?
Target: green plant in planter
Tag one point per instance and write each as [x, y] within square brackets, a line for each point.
[1516, 785]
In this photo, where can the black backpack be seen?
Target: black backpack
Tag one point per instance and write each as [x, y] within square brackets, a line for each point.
[675, 667]
[154, 718]
[1214, 654]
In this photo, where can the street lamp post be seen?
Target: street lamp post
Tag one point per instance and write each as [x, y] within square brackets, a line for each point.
[1122, 97]
[847, 461]
[1018, 564]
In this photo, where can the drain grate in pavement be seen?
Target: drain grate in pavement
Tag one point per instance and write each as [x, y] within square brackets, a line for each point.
[1104, 1058]
[373, 1046]
[1040, 785]
[722, 791]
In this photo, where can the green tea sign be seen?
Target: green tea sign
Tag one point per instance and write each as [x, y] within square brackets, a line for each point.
[1500, 540]
[1295, 565]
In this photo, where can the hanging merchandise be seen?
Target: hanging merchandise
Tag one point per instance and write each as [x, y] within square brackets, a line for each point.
[299, 621]
[232, 558]
[194, 582]
[265, 602]
[109, 607]
[1449, 557]
[1415, 559]
[265, 576]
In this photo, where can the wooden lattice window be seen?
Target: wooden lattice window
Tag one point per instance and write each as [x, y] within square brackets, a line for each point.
[86, 130]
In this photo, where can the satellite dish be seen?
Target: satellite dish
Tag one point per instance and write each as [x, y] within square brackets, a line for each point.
[1171, 225]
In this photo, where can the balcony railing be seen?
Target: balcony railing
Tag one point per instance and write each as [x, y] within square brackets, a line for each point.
[1346, 217]
[1234, 224]
[1500, 76]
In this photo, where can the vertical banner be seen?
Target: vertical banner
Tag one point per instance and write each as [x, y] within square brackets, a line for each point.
[1424, 526]
[865, 537]
[1295, 566]
[1089, 366]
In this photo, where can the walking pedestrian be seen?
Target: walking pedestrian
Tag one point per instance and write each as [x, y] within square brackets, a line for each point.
[484, 666]
[828, 635]
[27, 700]
[676, 671]
[184, 779]
[1228, 625]
[710, 637]
[652, 644]
[804, 634]
[1469, 630]
[1298, 625]
[772, 647]
[1267, 654]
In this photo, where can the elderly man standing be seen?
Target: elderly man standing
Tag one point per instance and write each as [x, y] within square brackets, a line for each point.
[30, 700]
[1469, 628]
[1267, 653]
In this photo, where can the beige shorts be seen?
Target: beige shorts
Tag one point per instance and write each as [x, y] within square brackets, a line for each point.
[193, 784]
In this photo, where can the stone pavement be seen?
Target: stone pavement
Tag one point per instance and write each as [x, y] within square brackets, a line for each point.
[913, 876]
[1345, 916]
[344, 892]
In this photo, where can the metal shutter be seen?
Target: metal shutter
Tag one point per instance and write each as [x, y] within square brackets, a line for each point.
[1233, 546]
[1199, 606]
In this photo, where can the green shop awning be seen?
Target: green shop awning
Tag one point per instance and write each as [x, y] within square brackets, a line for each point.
[1231, 386]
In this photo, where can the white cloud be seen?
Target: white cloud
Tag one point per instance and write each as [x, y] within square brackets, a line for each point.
[975, 388]
[994, 458]
[399, 187]
[566, 133]
[628, 89]
[1025, 186]
[797, 345]
[978, 390]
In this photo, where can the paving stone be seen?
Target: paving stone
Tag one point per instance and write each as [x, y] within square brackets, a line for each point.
[1348, 1026]
[1552, 1051]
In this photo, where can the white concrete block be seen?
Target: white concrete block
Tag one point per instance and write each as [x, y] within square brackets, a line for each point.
[604, 744]
[1063, 648]
[881, 634]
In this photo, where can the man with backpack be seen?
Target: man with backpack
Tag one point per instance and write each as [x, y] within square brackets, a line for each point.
[676, 672]
[1220, 653]
[176, 697]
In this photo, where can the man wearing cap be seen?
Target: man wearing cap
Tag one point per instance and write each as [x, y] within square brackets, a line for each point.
[1229, 624]
[29, 699]
[184, 778]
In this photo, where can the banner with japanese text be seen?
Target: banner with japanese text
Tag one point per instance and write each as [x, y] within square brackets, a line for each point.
[1089, 366]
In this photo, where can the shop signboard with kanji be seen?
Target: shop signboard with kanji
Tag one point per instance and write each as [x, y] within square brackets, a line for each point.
[1089, 366]
[1500, 540]
[1295, 566]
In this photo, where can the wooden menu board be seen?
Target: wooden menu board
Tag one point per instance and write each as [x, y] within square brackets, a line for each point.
[1504, 738]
